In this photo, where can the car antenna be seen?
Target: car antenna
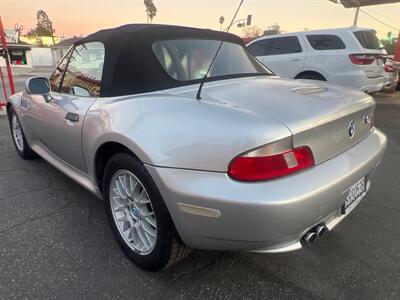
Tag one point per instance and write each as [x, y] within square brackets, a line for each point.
[198, 97]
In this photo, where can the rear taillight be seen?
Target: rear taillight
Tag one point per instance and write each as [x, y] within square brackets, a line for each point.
[389, 69]
[265, 163]
[362, 59]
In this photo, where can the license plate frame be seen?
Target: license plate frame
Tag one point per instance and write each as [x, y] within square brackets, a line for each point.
[354, 194]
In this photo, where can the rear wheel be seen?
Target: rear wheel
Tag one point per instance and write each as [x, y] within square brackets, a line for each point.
[18, 136]
[138, 216]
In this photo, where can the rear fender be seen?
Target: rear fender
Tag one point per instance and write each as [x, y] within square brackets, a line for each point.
[177, 132]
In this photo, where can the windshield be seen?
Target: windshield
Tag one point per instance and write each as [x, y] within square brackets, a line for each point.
[189, 59]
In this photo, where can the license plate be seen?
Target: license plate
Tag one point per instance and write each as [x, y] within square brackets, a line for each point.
[354, 193]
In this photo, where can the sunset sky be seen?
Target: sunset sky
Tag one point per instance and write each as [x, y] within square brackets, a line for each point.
[80, 17]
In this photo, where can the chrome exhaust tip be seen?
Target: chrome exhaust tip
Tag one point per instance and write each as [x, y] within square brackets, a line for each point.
[320, 230]
[310, 237]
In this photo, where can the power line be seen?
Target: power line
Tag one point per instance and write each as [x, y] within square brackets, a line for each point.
[379, 21]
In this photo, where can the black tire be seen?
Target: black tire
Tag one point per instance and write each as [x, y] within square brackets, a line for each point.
[168, 248]
[26, 152]
[311, 76]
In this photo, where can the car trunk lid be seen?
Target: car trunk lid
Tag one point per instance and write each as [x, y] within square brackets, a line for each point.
[319, 116]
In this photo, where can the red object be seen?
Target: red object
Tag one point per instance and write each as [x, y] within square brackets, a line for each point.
[247, 168]
[397, 53]
[4, 89]
[362, 59]
[5, 49]
[3, 83]
[389, 69]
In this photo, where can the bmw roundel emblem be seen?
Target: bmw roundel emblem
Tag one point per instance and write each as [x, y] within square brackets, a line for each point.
[352, 129]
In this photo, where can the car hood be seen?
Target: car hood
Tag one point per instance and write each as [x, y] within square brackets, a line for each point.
[317, 114]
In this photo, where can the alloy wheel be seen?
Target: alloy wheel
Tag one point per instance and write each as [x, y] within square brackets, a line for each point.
[17, 133]
[133, 212]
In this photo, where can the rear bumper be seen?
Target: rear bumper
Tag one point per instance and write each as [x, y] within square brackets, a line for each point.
[358, 80]
[269, 216]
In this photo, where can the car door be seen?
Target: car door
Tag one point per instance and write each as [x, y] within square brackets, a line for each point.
[283, 55]
[57, 121]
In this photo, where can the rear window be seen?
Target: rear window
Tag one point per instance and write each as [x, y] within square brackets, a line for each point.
[368, 39]
[189, 59]
[326, 42]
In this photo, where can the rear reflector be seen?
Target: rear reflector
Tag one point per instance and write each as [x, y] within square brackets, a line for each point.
[256, 168]
[362, 59]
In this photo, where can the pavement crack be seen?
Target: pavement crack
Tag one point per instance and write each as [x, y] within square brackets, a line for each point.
[384, 207]
[36, 218]
[308, 294]
[199, 269]
[25, 192]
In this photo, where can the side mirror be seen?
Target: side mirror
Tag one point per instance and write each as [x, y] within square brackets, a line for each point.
[37, 86]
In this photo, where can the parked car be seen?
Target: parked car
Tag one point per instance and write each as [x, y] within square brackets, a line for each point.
[391, 75]
[257, 163]
[352, 57]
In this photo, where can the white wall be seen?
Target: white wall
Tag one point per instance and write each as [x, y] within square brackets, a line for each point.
[58, 54]
[42, 57]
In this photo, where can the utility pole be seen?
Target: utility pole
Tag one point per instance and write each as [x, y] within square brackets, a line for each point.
[356, 16]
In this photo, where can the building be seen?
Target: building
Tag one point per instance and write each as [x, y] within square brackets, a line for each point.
[60, 49]
[24, 53]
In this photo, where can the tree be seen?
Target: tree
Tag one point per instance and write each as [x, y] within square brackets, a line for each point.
[44, 26]
[250, 33]
[151, 10]
[273, 29]
[390, 46]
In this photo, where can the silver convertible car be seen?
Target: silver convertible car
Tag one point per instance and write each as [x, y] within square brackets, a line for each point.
[256, 163]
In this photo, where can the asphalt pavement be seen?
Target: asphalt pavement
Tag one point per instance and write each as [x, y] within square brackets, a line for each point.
[55, 243]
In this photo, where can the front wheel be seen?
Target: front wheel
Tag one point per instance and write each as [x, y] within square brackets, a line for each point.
[138, 216]
[18, 136]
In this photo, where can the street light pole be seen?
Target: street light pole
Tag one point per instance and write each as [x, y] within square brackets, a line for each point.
[242, 22]
[221, 21]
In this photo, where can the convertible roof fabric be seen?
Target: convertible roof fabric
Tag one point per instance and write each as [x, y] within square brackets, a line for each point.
[130, 65]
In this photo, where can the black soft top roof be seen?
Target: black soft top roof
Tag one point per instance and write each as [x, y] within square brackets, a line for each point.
[131, 67]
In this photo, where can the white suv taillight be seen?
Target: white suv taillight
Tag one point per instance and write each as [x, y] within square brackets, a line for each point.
[362, 59]
[271, 161]
[389, 69]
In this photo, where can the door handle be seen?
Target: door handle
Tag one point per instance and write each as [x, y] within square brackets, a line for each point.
[296, 59]
[72, 117]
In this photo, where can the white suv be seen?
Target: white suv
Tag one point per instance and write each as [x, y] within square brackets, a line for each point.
[352, 57]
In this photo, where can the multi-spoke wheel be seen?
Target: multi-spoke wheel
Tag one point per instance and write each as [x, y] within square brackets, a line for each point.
[17, 133]
[138, 215]
[133, 212]
[18, 136]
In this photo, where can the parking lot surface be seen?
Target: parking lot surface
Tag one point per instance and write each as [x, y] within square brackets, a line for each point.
[55, 243]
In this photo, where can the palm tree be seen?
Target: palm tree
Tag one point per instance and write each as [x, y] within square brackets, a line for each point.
[151, 10]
